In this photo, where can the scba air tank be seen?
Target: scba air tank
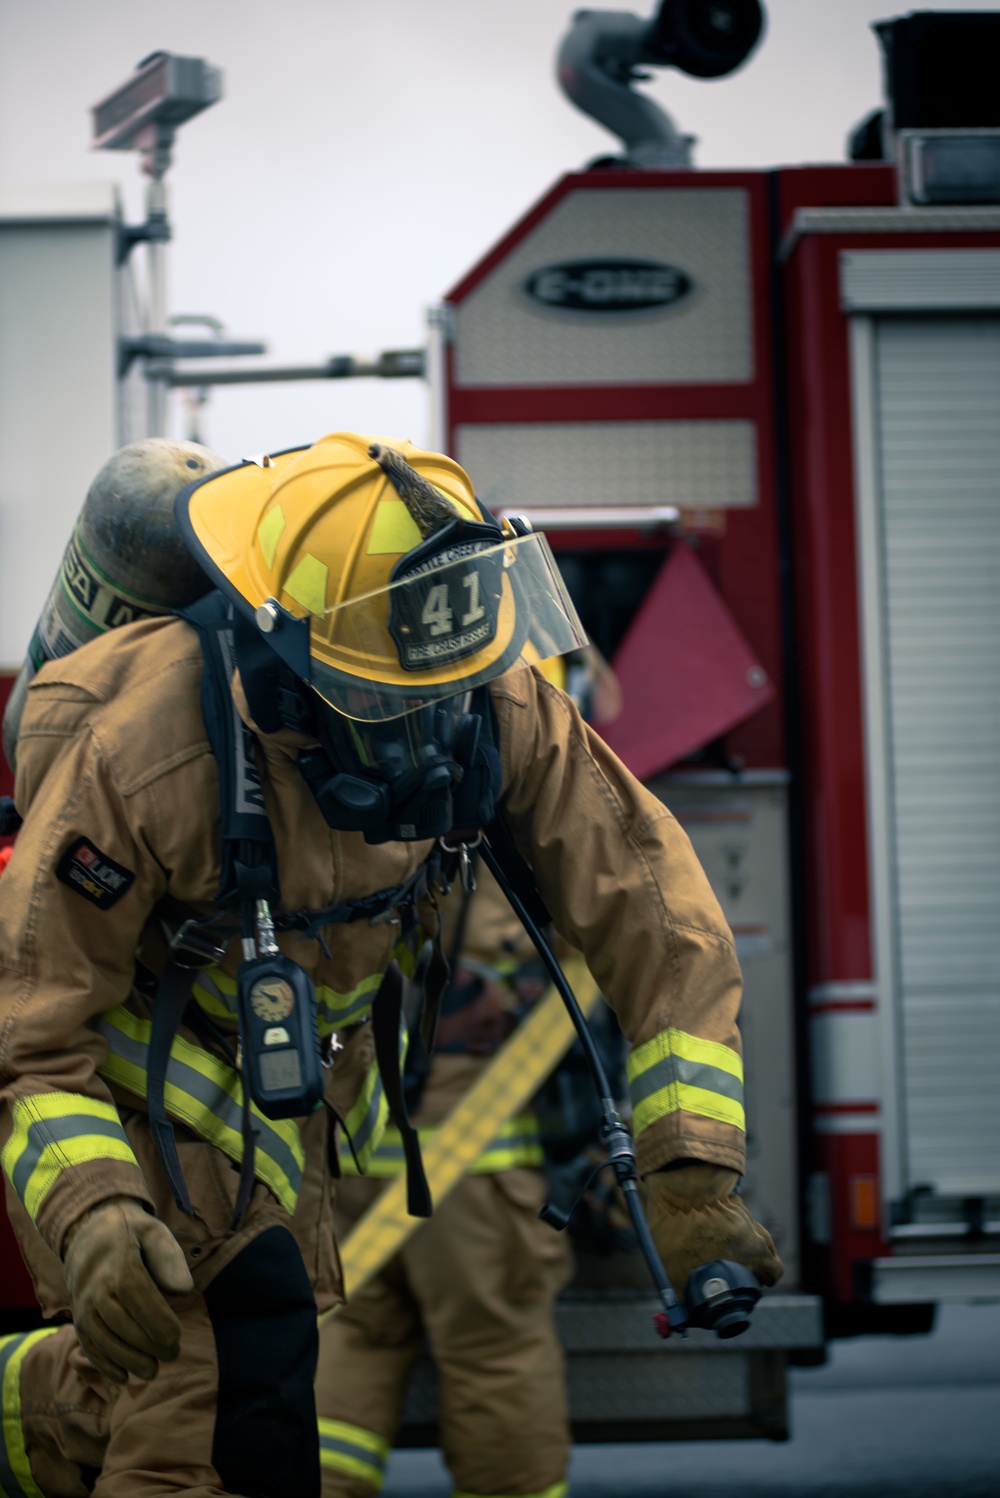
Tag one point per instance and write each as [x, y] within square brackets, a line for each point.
[125, 559]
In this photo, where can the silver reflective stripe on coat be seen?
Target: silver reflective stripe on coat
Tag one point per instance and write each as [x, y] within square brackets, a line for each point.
[205, 1094]
[366, 1122]
[52, 1133]
[677, 1072]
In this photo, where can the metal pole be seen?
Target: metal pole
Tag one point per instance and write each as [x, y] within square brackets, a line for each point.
[156, 308]
[156, 157]
[394, 364]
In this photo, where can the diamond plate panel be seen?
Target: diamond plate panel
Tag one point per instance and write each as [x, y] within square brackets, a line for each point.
[503, 337]
[605, 1322]
[625, 1386]
[645, 1386]
[691, 464]
[620, 1370]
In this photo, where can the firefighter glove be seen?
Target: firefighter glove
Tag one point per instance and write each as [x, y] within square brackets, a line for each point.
[118, 1259]
[695, 1218]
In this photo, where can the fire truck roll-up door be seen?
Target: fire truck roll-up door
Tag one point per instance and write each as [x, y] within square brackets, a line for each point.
[926, 383]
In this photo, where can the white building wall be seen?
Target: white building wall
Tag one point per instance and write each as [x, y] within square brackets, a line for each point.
[58, 399]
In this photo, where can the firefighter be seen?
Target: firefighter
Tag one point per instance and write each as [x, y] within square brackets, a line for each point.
[231, 821]
[479, 1281]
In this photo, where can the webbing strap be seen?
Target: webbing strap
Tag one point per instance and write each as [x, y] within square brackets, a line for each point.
[499, 1092]
[249, 860]
[173, 993]
[387, 1014]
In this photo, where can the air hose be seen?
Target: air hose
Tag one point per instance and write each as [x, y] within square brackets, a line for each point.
[720, 1295]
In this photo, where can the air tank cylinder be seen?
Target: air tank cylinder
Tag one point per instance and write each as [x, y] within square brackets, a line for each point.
[125, 559]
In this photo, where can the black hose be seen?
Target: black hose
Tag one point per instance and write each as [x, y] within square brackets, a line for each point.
[615, 1136]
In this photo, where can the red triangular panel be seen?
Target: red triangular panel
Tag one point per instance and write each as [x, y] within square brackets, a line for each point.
[687, 674]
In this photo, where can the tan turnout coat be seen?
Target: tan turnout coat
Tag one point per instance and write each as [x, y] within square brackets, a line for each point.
[113, 755]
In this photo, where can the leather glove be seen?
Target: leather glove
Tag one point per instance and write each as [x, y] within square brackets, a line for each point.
[694, 1218]
[117, 1259]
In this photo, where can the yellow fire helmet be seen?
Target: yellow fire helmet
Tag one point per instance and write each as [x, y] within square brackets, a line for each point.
[373, 572]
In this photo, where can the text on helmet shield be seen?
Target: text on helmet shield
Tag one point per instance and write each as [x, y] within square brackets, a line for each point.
[447, 607]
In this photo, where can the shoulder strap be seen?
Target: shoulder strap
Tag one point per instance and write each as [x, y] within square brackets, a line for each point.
[249, 866]
[248, 871]
[173, 992]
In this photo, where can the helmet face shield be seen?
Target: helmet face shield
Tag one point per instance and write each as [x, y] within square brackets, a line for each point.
[457, 616]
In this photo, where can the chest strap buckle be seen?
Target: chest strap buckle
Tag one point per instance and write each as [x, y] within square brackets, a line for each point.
[195, 939]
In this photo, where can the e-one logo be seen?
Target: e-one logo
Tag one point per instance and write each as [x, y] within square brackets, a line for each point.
[608, 285]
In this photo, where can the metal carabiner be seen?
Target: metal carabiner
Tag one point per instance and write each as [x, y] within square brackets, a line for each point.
[466, 873]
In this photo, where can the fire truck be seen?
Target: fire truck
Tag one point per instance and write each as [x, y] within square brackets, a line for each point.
[756, 412]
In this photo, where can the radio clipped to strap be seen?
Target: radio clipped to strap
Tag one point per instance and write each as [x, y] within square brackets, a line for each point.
[279, 1034]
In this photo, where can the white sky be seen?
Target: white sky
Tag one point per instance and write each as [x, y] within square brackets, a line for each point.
[367, 153]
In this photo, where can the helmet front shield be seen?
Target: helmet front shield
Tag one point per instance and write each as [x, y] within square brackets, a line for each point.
[455, 618]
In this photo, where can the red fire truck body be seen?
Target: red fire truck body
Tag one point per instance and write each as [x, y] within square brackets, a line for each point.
[803, 365]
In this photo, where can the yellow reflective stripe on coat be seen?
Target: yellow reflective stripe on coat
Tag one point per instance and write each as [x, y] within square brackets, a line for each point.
[334, 1011]
[501, 1089]
[215, 992]
[517, 1143]
[366, 1121]
[557, 1490]
[676, 1072]
[205, 1094]
[368, 1118]
[353, 1450]
[54, 1131]
[16, 1480]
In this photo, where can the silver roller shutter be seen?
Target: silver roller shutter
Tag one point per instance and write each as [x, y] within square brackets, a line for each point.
[937, 386]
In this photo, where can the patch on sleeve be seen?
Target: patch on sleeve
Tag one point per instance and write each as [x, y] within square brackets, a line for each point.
[93, 874]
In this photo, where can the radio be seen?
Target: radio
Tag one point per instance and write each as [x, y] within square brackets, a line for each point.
[279, 1038]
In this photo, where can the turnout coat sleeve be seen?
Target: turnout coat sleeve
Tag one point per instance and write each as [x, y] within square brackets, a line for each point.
[95, 855]
[622, 883]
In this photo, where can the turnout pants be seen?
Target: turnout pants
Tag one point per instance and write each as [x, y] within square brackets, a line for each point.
[478, 1281]
[234, 1414]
